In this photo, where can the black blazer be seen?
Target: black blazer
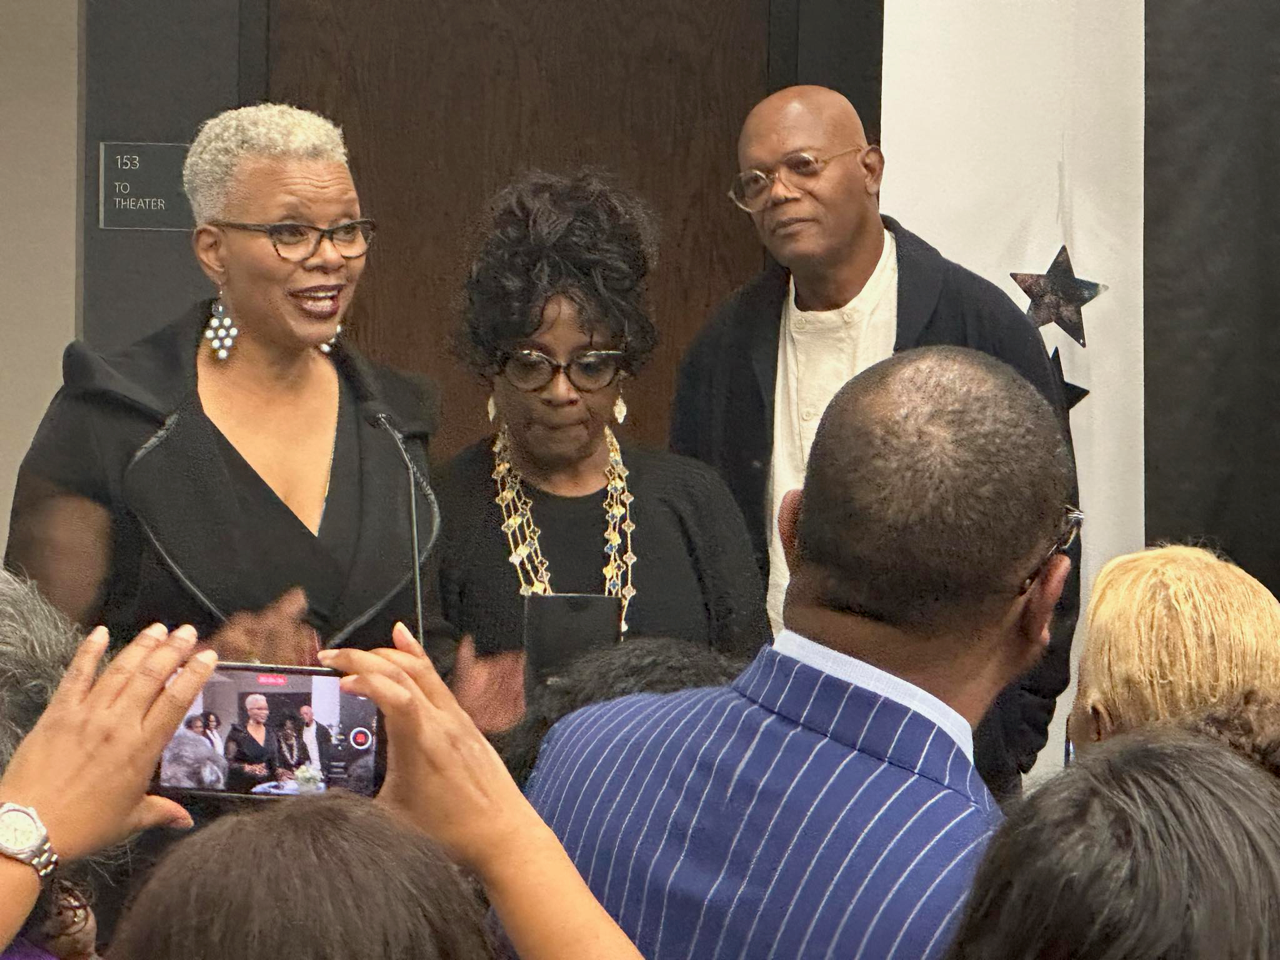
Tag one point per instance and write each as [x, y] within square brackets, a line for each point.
[127, 431]
[723, 415]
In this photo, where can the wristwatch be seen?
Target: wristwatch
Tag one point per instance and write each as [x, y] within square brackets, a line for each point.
[24, 838]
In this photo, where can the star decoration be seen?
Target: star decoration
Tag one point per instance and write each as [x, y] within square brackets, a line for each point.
[1073, 393]
[1057, 296]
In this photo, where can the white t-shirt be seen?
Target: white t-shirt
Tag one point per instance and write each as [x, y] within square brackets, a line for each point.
[818, 353]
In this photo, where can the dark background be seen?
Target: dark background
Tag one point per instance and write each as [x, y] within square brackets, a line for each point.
[1212, 249]
[442, 105]
[153, 70]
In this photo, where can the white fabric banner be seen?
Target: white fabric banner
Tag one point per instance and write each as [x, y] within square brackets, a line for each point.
[1010, 128]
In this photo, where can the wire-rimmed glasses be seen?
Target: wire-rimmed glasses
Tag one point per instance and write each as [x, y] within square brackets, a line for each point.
[1072, 520]
[750, 189]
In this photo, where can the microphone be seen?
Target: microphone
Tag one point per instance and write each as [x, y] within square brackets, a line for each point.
[415, 480]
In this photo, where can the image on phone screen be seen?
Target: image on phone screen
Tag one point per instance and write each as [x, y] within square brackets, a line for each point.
[270, 731]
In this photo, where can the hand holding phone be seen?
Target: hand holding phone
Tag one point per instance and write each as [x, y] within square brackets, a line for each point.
[442, 774]
[84, 767]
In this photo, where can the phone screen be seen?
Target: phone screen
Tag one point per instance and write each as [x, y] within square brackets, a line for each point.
[268, 731]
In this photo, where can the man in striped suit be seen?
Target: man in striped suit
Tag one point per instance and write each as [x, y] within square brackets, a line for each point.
[826, 803]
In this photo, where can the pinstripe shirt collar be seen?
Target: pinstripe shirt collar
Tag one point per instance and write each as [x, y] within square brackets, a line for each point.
[864, 675]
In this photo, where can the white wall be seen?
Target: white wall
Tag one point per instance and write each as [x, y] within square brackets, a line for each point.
[1011, 127]
[39, 215]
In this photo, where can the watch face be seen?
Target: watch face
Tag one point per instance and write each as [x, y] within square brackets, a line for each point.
[19, 833]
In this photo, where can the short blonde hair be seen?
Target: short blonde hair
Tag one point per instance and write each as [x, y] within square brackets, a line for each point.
[264, 130]
[1173, 630]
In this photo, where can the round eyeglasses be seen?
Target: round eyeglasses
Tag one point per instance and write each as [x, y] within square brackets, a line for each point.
[530, 370]
[750, 189]
[297, 242]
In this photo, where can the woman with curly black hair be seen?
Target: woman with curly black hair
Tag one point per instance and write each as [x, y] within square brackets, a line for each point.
[556, 320]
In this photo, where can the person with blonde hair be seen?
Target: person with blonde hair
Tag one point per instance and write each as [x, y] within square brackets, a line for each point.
[1171, 631]
[243, 450]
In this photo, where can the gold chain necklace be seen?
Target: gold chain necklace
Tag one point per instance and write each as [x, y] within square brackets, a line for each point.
[522, 534]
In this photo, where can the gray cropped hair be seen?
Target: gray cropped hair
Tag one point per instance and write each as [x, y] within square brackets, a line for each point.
[263, 130]
[36, 646]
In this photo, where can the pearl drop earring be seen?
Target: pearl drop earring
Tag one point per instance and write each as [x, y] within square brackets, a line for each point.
[326, 347]
[220, 332]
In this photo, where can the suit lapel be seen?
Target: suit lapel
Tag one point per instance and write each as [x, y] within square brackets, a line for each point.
[381, 566]
[178, 487]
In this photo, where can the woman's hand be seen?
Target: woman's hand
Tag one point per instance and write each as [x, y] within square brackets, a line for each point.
[442, 774]
[275, 634]
[490, 688]
[86, 765]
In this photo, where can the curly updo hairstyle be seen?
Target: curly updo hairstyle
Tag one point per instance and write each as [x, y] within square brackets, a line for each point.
[577, 236]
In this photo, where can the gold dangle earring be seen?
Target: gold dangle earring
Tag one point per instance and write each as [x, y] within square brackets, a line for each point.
[620, 409]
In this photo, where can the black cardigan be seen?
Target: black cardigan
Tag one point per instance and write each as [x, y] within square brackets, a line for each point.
[723, 415]
[127, 432]
[694, 573]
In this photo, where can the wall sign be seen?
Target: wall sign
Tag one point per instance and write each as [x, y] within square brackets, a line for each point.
[140, 187]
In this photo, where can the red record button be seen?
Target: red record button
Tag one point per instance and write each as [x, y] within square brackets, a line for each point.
[361, 738]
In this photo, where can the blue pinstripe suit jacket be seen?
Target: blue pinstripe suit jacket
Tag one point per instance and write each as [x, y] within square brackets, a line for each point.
[789, 815]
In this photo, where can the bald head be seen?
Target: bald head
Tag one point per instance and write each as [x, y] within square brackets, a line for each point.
[808, 108]
[937, 480]
[819, 216]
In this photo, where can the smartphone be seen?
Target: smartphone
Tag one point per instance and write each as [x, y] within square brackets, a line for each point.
[265, 731]
[560, 627]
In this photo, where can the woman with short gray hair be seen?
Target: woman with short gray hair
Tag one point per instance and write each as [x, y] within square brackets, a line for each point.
[244, 450]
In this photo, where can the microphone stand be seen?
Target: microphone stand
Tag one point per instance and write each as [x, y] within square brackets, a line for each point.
[384, 421]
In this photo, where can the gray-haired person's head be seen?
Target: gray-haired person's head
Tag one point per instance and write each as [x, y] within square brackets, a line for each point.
[266, 130]
[36, 646]
[1160, 844]
[37, 643]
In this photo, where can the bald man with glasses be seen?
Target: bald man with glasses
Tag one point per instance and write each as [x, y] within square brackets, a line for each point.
[845, 288]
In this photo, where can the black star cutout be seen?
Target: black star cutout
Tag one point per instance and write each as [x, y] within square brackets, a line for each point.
[1074, 394]
[1057, 296]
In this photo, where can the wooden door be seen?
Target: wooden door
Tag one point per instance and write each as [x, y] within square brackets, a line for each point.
[443, 104]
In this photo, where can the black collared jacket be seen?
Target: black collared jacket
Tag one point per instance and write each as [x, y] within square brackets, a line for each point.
[127, 432]
[723, 416]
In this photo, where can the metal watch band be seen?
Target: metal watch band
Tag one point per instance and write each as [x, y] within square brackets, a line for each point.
[44, 860]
